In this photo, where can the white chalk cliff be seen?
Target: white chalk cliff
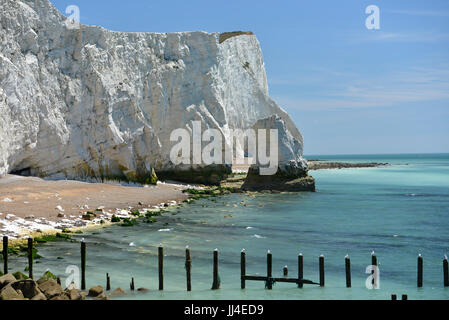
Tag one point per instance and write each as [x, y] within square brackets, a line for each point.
[90, 102]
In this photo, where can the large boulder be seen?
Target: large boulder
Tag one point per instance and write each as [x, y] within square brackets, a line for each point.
[73, 294]
[6, 279]
[20, 276]
[62, 296]
[9, 293]
[289, 171]
[96, 291]
[46, 276]
[118, 292]
[39, 296]
[50, 288]
[29, 288]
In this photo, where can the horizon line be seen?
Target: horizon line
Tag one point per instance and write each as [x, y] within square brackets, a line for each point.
[374, 154]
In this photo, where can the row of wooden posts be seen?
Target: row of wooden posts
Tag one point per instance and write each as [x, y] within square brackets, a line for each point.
[268, 279]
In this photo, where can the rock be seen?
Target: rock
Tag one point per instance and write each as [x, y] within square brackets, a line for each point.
[62, 296]
[39, 296]
[6, 279]
[73, 294]
[291, 172]
[95, 291]
[118, 292]
[96, 104]
[102, 296]
[20, 276]
[46, 276]
[88, 216]
[61, 215]
[8, 293]
[50, 288]
[72, 286]
[278, 182]
[29, 288]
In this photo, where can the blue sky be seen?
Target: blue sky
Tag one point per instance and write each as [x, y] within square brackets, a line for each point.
[350, 90]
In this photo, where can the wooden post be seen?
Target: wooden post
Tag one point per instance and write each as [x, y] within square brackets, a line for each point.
[5, 254]
[131, 285]
[394, 297]
[242, 268]
[321, 260]
[83, 264]
[108, 282]
[404, 297]
[374, 263]
[215, 282]
[420, 270]
[348, 271]
[188, 269]
[285, 271]
[446, 271]
[269, 270]
[30, 257]
[300, 269]
[161, 266]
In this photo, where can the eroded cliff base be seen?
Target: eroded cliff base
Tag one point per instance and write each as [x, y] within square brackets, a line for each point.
[210, 175]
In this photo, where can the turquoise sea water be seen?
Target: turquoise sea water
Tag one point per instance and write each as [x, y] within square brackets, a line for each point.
[399, 211]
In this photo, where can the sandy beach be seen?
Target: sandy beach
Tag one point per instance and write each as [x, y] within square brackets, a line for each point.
[29, 204]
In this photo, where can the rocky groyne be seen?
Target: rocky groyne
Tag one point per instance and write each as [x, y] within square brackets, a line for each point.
[18, 286]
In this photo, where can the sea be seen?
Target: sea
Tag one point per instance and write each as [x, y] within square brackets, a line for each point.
[398, 211]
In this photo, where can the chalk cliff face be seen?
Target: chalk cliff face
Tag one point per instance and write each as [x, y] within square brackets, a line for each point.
[93, 103]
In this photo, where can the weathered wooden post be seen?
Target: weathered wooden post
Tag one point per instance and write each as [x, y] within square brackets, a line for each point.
[216, 281]
[269, 270]
[108, 282]
[5, 254]
[420, 270]
[242, 269]
[285, 271]
[394, 297]
[83, 264]
[30, 257]
[161, 266]
[321, 262]
[348, 271]
[188, 269]
[300, 269]
[131, 285]
[446, 271]
[404, 297]
[374, 264]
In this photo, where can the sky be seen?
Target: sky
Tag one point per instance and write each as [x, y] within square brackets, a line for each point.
[349, 89]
